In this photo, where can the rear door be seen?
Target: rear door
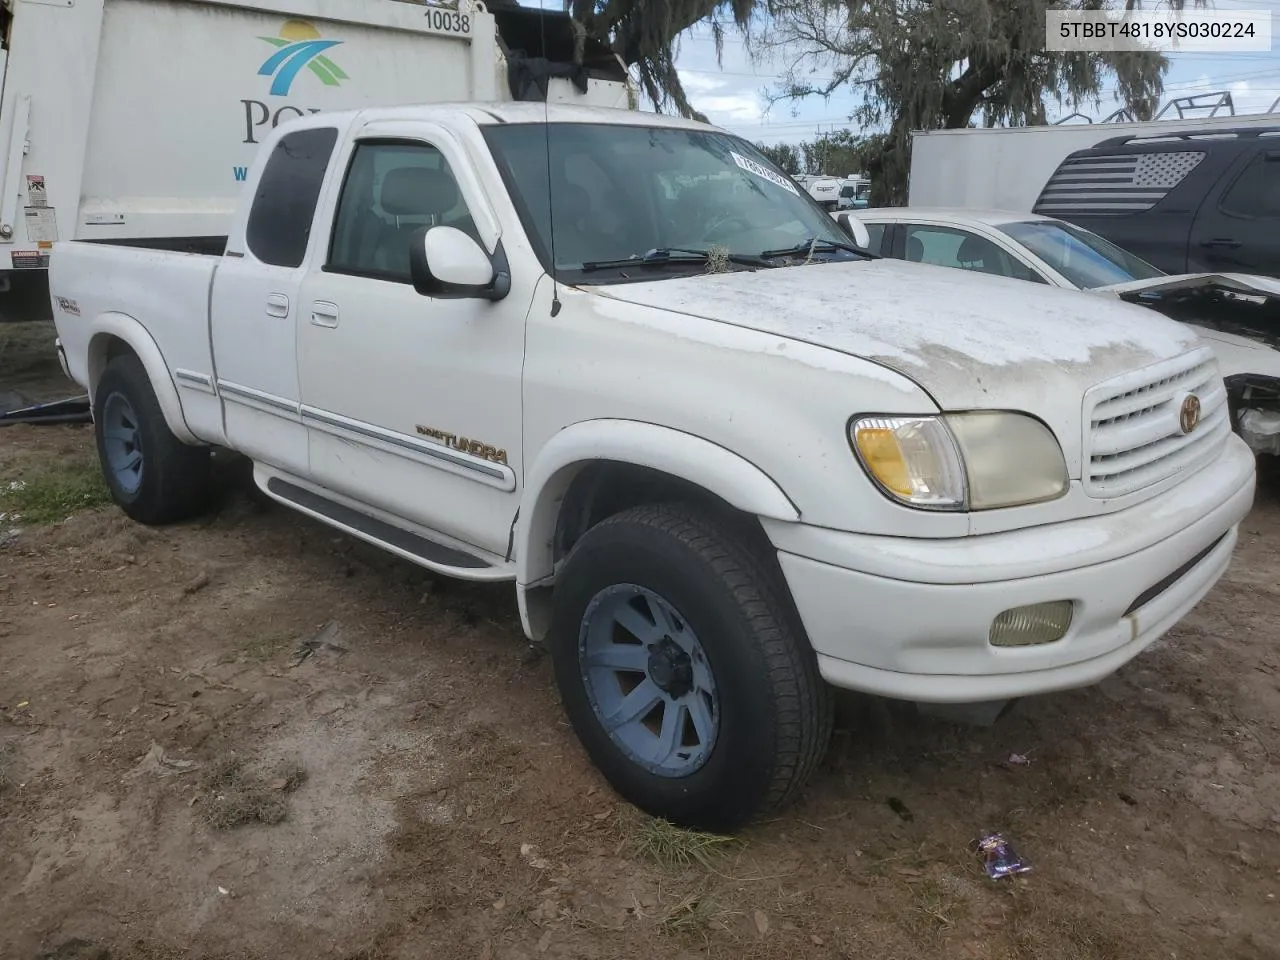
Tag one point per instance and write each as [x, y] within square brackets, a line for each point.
[254, 305]
[1237, 229]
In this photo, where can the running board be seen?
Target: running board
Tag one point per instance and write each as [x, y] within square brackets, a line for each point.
[406, 543]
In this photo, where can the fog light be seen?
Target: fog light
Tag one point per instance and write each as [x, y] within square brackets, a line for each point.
[1028, 626]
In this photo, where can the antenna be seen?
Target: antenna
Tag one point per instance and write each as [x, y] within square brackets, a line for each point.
[546, 139]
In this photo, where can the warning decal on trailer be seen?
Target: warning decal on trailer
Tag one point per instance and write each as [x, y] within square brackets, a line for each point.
[30, 260]
[36, 195]
[763, 172]
[42, 224]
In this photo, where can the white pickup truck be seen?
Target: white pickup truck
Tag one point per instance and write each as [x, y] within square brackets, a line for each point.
[726, 457]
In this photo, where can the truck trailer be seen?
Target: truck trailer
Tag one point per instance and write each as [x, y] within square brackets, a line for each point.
[137, 120]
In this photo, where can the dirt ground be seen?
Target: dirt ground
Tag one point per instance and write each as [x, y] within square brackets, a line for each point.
[248, 737]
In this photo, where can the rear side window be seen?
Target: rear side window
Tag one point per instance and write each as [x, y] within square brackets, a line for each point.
[1256, 192]
[1107, 184]
[944, 247]
[876, 230]
[285, 203]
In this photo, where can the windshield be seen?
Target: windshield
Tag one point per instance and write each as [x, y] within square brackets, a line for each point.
[616, 192]
[1082, 257]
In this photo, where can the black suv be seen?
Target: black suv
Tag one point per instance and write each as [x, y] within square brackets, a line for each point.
[1204, 200]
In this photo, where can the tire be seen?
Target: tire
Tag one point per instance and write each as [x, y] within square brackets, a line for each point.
[153, 476]
[752, 716]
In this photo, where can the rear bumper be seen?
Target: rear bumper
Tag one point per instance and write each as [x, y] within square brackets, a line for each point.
[924, 637]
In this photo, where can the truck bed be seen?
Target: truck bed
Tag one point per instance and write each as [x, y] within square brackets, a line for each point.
[165, 292]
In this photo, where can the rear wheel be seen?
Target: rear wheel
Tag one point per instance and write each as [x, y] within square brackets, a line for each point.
[682, 670]
[153, 476]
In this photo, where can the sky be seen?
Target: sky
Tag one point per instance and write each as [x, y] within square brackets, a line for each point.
[733, 93]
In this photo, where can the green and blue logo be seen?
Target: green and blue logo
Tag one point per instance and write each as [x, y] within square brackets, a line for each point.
[299, 45]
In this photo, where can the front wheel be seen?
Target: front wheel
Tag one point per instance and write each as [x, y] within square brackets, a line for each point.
[682, 671]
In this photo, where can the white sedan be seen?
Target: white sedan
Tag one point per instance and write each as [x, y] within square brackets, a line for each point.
[1238, 313]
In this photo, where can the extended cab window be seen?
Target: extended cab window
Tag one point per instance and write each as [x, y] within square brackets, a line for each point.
[285, 203]
[392, 191]
[1256, 192]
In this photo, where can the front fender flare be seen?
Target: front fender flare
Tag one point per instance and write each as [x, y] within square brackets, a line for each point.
[125, 328]
[693, 459]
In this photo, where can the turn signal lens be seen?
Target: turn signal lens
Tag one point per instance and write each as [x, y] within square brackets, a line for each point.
[913, 459]
[1032, 625]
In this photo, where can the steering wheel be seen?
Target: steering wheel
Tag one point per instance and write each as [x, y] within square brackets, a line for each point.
[713, 232]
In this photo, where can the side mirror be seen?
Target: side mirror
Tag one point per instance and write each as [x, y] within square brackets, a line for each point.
[856, 229]
[446, 263]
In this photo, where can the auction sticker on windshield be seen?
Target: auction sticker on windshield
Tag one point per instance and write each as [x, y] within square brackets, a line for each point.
[749, 165]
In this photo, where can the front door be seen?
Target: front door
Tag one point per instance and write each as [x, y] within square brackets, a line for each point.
[412, 403]
[1237, 229]
[255, 305]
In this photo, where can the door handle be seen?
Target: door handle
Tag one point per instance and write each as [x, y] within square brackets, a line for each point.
[277, 305]
[324, 313]
[1221, 242]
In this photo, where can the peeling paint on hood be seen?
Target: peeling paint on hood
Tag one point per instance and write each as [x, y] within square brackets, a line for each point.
[972, 340]
[942, 327]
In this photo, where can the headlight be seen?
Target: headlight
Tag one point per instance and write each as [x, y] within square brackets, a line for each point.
[1010, 459]
[964, 461]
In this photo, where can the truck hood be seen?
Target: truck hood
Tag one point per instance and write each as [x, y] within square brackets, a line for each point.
[972, 341]
[1245, 283]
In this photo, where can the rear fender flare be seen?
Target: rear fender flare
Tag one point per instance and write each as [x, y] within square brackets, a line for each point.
[119, 326]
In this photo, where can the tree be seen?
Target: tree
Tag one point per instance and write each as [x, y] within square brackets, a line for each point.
[928, 64]
[644, 34]
[840, 153]
[784, 155]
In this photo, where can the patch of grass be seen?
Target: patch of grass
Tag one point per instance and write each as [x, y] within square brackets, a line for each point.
[673, 846]
[26, 349]
[235, 796]
[263, 647]
[51, 494]
[935, 901]
[689, 915]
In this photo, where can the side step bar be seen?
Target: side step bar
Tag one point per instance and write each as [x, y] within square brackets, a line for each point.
[412, 546]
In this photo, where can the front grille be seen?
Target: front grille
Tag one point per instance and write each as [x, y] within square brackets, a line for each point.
[1133, 436]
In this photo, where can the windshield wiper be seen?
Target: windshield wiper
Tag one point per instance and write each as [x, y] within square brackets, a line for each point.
[818, 246]
[674, 256]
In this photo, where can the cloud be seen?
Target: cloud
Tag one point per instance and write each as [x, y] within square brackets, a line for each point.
[724, 102]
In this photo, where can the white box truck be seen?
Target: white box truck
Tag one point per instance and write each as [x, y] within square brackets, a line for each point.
[1006, 168]
[136, 120]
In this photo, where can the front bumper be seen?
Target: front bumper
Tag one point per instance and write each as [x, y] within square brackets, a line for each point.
[910, 618]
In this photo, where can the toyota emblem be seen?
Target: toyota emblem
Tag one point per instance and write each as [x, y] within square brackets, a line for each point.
[1189, 415]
